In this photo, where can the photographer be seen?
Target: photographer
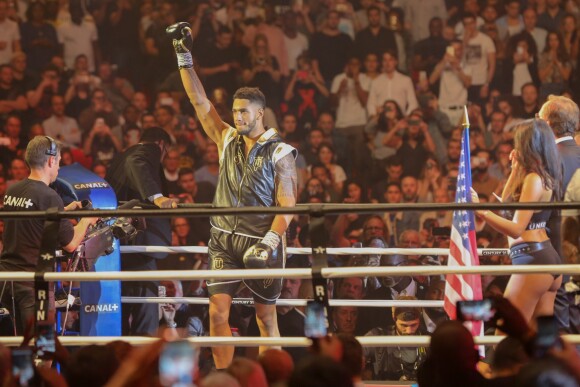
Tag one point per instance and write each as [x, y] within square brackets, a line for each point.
[39, 97]
[482, 181]
[262, 70]
[305, 88]
[101, 144]
[416, 145]
[454, 77]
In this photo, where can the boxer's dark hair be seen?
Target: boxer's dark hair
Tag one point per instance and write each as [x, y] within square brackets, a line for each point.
[252, 94]
[155, 134]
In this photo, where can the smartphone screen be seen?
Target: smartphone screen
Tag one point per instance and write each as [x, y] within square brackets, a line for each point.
[45, 338]
[479, 310]
[22, 366]
[177, 364]
[450, 50]
[315, 324]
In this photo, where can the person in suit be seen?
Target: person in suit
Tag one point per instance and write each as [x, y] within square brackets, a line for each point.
[561, 113]
[137, 174]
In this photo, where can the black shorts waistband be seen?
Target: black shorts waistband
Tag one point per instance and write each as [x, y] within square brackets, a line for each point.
[528, 247]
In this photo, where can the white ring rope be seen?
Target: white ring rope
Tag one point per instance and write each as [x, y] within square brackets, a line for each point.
[308, 250]
[208, 341]
[329, 272]
[287, 302]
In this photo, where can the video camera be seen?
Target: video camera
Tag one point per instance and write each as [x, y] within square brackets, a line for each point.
[100, 237]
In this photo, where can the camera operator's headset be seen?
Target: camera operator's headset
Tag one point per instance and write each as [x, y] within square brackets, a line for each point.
[53, 149]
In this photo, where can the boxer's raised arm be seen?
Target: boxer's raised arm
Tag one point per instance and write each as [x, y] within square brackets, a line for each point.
[212, 124]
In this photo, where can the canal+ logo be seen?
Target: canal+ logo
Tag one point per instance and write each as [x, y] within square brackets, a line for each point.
[101, 308]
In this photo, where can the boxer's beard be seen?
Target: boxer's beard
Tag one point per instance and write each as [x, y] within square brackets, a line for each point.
[248, 129]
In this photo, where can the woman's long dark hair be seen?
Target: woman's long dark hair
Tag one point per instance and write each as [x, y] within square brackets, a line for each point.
[364, 194]
[537, 152]
[561, 52]
[382, 123]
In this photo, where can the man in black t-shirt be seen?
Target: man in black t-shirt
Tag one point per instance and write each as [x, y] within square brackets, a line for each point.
[220, 62]
[22, 237]
[331, 48]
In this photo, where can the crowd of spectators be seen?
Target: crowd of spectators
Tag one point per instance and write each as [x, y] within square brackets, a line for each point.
[526, 357]
[371, 93]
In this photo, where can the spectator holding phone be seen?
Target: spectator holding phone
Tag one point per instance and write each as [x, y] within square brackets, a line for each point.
[326, 157]
[430, 180]
[453, 75]
[521, 63]
[101, 144]
[535, 177]
[305, 88]
[39, 97]
[554, 66]
[262, 70]
[384, 131]
[416, 146]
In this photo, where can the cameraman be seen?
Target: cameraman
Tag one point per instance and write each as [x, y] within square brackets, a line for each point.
[22, 237]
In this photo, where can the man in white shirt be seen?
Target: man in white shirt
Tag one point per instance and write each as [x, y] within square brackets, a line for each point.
[296, 42]
[454, 76]
[391, 84]
[349, 92]
[59, 126]
[9, 35]
[539, 34]
[78, 36]
[479, 53]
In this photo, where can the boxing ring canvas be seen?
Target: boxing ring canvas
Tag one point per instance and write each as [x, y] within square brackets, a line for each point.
[100, 312]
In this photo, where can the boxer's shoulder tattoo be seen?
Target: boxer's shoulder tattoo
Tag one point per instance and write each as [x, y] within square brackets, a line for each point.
[286, 177]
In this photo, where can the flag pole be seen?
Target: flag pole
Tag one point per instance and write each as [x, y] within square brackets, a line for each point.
[465, 122]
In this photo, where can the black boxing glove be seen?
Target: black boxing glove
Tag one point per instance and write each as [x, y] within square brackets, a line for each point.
[180, 34]
[261, 255]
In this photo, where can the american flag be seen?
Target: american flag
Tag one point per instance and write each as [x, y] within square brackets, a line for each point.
[463, 247]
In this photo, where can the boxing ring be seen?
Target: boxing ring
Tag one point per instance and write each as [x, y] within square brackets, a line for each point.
[316, 212]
